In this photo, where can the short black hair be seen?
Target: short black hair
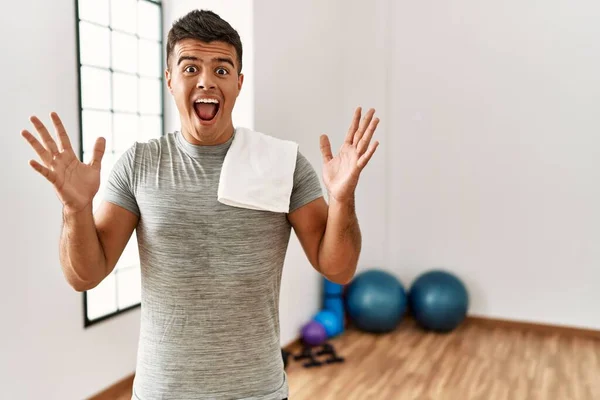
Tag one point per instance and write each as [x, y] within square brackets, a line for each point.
[206, 26]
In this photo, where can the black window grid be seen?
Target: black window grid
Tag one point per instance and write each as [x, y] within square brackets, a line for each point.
[89, 322]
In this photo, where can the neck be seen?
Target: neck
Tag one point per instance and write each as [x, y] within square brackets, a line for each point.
[207, 139]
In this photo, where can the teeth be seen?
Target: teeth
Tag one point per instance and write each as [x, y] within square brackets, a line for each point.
[214, 101]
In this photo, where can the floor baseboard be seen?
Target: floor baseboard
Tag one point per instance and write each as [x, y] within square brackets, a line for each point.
[114, 391]
[534, 326]
[294, 344]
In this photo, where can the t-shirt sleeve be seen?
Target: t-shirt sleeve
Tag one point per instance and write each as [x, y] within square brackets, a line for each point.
[307, 186]
[119, 188]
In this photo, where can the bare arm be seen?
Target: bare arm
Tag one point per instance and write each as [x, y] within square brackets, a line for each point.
[90, 246]
[341, 244]
[330, 236]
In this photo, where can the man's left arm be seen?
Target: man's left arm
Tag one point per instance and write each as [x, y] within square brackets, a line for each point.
[330, 234]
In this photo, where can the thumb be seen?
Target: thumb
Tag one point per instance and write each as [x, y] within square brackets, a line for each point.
[98, 153]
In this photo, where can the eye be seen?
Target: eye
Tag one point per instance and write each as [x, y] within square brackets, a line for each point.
[189, 68]
[221, 71]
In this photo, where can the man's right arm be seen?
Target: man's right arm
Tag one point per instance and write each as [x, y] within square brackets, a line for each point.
[91, 244]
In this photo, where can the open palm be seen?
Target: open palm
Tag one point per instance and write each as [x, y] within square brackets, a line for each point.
[341, 172]
[76, 183]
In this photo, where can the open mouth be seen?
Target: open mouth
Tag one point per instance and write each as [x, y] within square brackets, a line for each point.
[206, 109]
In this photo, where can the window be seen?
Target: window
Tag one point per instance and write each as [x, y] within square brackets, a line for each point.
[121, 92]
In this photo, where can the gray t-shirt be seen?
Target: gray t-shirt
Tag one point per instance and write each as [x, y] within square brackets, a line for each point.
[210, 274]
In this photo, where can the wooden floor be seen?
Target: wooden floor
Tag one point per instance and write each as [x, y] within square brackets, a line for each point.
[477, 361]
[473, 362]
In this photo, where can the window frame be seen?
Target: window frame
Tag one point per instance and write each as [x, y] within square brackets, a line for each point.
[87, 322]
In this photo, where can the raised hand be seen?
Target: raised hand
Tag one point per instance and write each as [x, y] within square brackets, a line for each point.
[341, 173]
[76, 183]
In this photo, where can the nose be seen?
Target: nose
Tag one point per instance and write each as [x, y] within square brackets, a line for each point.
[205, 81]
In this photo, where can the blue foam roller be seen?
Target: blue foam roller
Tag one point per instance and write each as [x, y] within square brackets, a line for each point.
[335, 305]
[333, 325]
[330, 288]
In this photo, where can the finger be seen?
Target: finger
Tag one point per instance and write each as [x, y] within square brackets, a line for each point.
[45, 172]
[326, 149]
[49, 143]
[98, 153]
[63, 138]
[353, 126]
[364, 159]
[363, 126]
[364, 142]
[37, 146]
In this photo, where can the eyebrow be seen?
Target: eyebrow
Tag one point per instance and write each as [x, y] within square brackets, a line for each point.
[217, 59]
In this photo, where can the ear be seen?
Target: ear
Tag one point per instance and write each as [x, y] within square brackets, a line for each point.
[240, 82]
[168, 78]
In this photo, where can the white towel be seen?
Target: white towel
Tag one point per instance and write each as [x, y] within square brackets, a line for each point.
[258, 172]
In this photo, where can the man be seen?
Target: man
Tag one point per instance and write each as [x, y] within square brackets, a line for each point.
[210, 272]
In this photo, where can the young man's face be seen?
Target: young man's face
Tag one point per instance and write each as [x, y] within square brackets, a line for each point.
[203, 79]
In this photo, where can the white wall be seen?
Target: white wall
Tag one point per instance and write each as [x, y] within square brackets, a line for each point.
[496, 149]
[297, 97]
[365, 71]
[489, 142]
[239, 14]
[45, 351]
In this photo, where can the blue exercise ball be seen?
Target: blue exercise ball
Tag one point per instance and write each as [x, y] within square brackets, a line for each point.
[438, 301]
[376, 301]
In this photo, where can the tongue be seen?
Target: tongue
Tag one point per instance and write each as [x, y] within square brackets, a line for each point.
[206, 111]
